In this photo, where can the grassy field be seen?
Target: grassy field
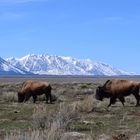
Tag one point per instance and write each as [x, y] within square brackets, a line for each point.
[75, 115]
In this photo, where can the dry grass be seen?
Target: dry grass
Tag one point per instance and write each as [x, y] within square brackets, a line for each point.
[47, 125]
[32, 135]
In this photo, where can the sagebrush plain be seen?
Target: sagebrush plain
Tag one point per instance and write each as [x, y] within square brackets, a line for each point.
[75, 115]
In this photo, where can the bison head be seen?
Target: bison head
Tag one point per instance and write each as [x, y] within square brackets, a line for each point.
[21, 97]
[99, 95]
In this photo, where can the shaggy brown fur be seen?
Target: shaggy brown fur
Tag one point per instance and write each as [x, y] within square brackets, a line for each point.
[114, 89]
[33, 89]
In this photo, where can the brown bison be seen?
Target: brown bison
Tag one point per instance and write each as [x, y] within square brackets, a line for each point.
[114, 89]
[33, 89]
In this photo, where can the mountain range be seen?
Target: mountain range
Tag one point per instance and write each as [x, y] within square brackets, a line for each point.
[57, 65]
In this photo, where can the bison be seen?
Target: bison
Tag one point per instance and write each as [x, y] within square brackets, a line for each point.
[33, 89]
[114, 89]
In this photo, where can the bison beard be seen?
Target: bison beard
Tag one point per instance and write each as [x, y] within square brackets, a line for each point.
[34, 89]
[114, 89]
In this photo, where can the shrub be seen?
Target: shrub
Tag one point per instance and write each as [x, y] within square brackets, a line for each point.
[87, 104]
[9, 96]
[59, 118]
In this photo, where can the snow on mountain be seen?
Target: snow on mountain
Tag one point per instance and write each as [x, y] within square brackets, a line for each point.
[59, 65]
[7, 68]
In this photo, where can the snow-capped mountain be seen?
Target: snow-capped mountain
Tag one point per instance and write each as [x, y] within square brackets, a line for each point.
[59, 65]
[6, 68]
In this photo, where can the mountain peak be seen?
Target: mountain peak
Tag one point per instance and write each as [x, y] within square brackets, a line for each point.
[7, 68]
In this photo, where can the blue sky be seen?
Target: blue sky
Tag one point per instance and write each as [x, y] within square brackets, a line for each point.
[102, 30]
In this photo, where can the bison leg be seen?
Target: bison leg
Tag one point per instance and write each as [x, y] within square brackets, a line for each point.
[27, 97]
[48, 97]
[137, 96]
[112, 101]
[34, 98]
[122, 100]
